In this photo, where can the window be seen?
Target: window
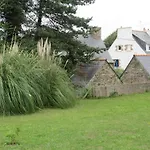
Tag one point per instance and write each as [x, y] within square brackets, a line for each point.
[119, 47]
[147, 47]
[116, 64]
[128, 48]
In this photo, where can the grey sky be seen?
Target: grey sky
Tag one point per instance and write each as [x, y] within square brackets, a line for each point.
[112, 14]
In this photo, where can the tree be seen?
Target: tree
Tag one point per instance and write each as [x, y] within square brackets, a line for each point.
[110, 39]
[12, 15]
[53, 19]
[58, 21]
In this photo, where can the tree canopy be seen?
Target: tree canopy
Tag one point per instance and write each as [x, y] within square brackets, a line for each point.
[31, 20]
[110, 39]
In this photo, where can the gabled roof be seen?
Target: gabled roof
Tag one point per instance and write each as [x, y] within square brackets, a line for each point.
[85, 72]
[92, 42]
[96, 43]
[142, 35]
[103, 55]
[145, 61]
[142, 38]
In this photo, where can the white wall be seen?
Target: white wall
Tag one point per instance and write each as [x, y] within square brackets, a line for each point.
[147, 48]
[124, 33]
[124, 56]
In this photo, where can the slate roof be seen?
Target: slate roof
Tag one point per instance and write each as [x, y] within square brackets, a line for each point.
[142, 38]
[142, 35]
[145, 61]
[91, 42]
[96, 43]
[85, 72]
[104, 55]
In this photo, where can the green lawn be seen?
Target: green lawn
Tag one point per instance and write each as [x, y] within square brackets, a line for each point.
[121, 123]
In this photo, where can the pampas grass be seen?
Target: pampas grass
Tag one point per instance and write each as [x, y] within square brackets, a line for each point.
[31, 82]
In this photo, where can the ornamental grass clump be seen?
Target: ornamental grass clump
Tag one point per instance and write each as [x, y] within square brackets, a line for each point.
[57, 90]
[18, 93]
[31, 82]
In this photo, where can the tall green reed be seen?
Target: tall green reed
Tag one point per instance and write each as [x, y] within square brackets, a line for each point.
[30, 82]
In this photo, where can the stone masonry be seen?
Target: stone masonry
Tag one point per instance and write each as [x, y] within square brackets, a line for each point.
[105, 76]
[135, 73]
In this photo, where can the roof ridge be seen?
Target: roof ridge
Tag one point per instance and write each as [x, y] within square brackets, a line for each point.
[99, 59]
[141, 54]
[139, 31]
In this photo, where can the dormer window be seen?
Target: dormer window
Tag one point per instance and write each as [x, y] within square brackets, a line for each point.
[147, 47]
[119, 47]
[128, 48]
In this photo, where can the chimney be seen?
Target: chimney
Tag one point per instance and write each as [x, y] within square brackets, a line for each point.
[96, 33]
[124, 33]
[148, 32]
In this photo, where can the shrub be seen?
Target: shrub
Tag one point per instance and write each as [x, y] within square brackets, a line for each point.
[29, 82]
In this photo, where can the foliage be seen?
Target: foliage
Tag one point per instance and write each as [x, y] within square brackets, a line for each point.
[12, 15]
[30, 20]
[62, 26]
[12, 137]
[110, 39]
[29, 82]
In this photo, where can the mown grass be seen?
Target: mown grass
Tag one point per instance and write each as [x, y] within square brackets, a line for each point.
[119, 123]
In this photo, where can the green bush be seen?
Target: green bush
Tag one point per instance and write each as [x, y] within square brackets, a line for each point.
[29, 82]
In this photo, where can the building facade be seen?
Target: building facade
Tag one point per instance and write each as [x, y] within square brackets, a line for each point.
[128, 43]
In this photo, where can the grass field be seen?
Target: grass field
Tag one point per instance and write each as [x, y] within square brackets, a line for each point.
[121, 123]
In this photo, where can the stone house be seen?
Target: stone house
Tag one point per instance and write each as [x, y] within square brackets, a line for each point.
[96, 74]
[128, 43]
[100, 77]
[137, 71]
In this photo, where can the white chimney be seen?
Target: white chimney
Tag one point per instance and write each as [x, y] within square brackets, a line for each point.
[124, 33]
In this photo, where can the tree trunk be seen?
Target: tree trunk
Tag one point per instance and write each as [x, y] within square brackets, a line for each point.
[39, 21]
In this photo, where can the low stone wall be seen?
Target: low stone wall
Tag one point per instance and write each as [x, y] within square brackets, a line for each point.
[122, 89]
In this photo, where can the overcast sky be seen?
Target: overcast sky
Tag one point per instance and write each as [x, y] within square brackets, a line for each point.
[112, 14]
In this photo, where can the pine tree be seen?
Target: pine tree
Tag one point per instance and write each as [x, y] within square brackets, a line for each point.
[53, 19]
[12, 15]
[58, 21]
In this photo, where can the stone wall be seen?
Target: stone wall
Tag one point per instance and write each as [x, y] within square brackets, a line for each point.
[135, 73]
[134, 80]
[105, 76]
[123, 89]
